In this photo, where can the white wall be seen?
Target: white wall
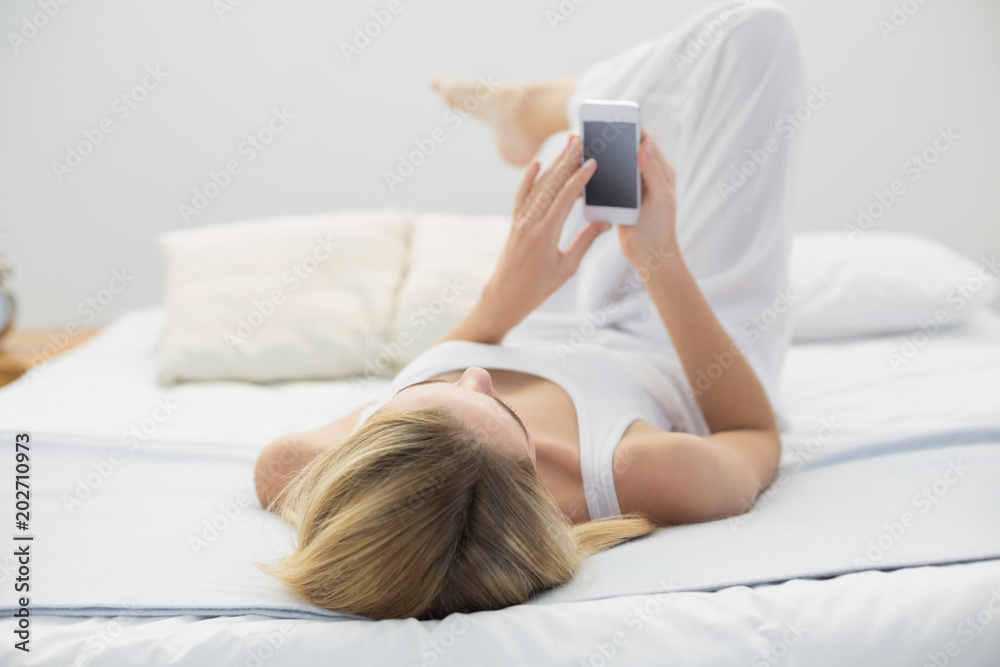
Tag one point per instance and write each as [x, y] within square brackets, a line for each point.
[352, 120]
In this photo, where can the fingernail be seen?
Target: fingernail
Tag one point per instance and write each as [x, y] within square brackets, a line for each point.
[589, 162]
[649, 147]
[605, 226]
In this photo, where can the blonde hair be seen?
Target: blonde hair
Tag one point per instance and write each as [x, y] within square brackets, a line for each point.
[415, 515]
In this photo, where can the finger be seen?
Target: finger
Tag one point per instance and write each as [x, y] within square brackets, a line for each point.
[642, 147]
[552, 181]
[570, 192]
[581, 244]
[525, 188]
[653, 174]
[665, 166]
[564, 166]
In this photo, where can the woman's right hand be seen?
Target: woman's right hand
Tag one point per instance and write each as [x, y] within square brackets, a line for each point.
[531, 266]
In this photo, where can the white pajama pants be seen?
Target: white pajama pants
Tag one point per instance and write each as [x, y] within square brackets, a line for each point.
[718, 95]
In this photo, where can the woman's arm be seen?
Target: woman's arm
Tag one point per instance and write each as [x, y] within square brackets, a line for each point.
[677, 477]
[531, 266]
[735, 400]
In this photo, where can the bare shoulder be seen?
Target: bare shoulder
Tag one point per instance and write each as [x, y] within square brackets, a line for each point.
[678, 478]
[282, 459]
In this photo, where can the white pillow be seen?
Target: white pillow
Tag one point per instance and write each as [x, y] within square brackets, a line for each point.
[882, 282]
[451, 256]
[286, 298]
[396, 281]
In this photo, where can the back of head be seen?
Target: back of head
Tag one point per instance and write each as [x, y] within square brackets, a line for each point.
[414, 515]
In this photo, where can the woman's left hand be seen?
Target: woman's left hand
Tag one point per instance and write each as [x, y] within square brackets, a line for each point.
[655, 231]
[531, 266]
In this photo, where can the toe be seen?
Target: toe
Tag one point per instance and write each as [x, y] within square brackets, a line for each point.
[445, 87]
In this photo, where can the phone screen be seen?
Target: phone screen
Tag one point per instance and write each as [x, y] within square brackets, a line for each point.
[613, 146]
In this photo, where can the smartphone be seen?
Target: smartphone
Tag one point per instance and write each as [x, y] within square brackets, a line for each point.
[611, 136]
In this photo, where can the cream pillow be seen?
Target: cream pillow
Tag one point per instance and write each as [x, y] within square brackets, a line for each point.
[361, 293]
[285, 298]
[451, 256]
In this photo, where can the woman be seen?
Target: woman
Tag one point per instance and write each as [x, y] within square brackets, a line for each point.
[605, 383]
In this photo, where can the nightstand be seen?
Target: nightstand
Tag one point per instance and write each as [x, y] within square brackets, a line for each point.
[20, 349]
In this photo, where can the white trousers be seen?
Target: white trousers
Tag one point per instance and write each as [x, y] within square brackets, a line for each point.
[718, 94]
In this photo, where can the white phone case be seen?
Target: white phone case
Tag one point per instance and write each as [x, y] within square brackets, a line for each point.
[611, 111]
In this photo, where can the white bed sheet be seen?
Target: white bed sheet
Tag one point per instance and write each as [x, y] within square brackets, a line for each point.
[106, 387]
[881, 619]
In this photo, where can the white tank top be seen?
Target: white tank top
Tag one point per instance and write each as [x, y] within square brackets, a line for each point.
[600, 381]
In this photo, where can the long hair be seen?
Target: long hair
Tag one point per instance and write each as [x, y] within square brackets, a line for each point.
[415, 515]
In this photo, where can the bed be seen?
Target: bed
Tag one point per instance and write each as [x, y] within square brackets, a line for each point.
[825, 569]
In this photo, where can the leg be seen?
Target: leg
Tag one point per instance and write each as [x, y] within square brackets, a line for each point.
[522, 114]
[710, 109]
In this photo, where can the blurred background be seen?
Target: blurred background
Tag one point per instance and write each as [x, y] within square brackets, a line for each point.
[113, 115]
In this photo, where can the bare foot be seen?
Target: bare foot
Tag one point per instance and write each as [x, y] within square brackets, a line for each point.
[521, 115]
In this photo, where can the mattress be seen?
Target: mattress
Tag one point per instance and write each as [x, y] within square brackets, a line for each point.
[867, 433]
